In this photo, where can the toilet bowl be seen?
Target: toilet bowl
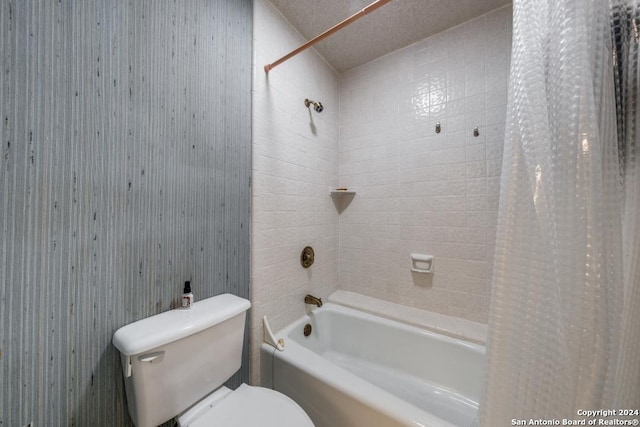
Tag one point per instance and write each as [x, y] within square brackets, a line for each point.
[175, 364]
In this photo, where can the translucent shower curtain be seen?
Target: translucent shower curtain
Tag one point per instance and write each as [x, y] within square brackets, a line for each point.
[625, 16]
[564, 300]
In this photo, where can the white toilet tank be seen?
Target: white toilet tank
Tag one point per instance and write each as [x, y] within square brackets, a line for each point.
[172, 360]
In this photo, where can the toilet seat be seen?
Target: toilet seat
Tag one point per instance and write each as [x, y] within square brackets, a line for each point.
[253, 406]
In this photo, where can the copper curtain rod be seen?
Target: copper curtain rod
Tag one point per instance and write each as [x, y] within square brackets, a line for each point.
[373, 6]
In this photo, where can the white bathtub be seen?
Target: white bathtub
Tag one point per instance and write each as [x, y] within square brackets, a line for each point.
[357, 369]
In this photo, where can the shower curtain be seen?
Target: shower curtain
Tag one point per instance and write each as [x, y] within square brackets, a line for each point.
[565, 311]
[626, 41]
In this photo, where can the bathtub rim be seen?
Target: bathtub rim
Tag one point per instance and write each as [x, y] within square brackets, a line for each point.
[442, 324]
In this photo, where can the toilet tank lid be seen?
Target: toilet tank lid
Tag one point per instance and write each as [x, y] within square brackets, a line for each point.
[172, 325]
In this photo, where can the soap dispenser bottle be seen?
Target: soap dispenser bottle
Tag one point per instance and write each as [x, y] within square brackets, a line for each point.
[187, 296]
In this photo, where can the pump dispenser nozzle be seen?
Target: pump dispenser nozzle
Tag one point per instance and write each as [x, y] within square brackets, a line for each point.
[187, 296]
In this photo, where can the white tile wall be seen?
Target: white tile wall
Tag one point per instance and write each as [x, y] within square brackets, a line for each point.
[418, 191]
[295, 162]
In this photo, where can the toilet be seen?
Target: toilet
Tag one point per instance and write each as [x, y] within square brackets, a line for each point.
[175, 364]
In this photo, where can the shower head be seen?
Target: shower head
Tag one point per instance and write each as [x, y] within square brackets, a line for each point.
[316, 105]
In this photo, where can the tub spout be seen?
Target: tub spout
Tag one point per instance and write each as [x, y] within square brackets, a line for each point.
[310, 299]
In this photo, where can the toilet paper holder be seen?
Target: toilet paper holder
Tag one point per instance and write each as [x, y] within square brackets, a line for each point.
[421, 263]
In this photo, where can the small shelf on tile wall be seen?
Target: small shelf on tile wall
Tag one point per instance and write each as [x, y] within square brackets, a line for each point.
[342, 197]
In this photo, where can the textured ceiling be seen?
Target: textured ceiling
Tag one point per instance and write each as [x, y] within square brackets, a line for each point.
[393, 26]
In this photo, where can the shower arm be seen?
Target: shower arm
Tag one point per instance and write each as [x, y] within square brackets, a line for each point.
[373, 6]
